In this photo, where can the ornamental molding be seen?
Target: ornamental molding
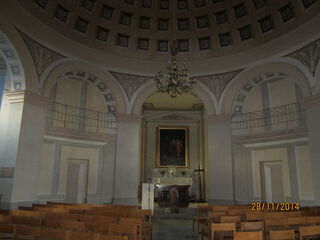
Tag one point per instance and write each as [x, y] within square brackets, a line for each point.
[43, 57]
[129, 82]
[309, 55]
[218, 83]
[174, 117]
[27, 97]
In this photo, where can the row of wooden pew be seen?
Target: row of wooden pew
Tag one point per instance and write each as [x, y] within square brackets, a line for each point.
[309, 232]
[229, 229]
[68, 220]
[244, 223]
[17, 232]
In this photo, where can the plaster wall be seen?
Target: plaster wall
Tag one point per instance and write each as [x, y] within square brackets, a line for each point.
[313, 119]
[127, 167]
[68, 92]
[8, 146]
[304, 172]
[242, 173]
[94, 99]
[220, 183]
[253, 101]
[46, 169]
[282, 92]
[29, 153]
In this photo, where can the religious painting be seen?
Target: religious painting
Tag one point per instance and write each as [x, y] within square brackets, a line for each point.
[172, 147]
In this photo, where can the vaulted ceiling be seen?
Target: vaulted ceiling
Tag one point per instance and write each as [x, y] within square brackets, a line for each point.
[143, 29]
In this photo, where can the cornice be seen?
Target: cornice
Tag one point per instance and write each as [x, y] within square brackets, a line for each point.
[218, 119]
[128, 118]
[27, 97]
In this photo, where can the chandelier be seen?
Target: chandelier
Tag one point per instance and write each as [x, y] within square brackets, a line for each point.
[175, 81]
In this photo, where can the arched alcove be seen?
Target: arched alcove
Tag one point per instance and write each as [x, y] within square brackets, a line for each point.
[21, 69]
[103, 80]
[199, 91]
[253, 76]
[173, 136]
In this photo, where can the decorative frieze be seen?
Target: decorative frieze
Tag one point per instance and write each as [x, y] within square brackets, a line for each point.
[43, 57]
[129, 82]
[217, 83]
[308, 55]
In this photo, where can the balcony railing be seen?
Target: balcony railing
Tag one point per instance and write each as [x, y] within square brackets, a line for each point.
[80, 119]
[278, 118]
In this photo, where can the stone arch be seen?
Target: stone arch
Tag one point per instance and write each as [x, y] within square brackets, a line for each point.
[239, 98]
[15, 71]
[150, 88]
[255, 75]
[21, 70]
[3, 73]
[104, 81]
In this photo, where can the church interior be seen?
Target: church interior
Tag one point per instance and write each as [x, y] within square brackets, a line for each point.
[173, 119]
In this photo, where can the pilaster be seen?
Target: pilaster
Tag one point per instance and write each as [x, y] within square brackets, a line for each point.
[127, 166]
[220, 186]
[22, 123]
[312, 106]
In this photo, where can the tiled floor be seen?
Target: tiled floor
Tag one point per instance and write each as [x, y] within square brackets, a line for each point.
[173, 229]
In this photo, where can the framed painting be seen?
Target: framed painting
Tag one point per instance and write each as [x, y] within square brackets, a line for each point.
[172, 147]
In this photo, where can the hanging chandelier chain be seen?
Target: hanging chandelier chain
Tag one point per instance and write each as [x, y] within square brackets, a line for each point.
[175, 81]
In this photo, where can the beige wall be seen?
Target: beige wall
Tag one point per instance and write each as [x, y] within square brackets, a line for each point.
[304, 173]
[282, 92]
[68, 92]
[94, 99]
[253, 101]
[46, 169]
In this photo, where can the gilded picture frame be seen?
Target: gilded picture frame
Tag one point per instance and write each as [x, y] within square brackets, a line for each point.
[172, 147]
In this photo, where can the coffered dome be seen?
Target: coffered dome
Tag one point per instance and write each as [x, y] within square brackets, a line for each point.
[142, 29]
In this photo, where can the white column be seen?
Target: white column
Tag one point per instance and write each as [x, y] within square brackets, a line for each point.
[312, 105]
[219, 156]
[127, 168]
[23, 123]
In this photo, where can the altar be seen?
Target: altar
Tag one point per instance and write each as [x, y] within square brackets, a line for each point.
[172, 191]
[172, 180]
[173, 196]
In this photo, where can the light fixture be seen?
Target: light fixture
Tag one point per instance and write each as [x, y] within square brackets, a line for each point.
[175, 81]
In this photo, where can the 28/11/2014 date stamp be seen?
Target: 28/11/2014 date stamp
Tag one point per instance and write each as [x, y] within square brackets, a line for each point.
[278, 206]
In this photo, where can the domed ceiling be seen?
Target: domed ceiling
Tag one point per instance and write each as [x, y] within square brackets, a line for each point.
[142, 29]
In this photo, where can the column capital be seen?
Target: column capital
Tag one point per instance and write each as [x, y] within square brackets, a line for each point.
[218, 119]
[27, 97]
[312, 101]
[129, 118]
